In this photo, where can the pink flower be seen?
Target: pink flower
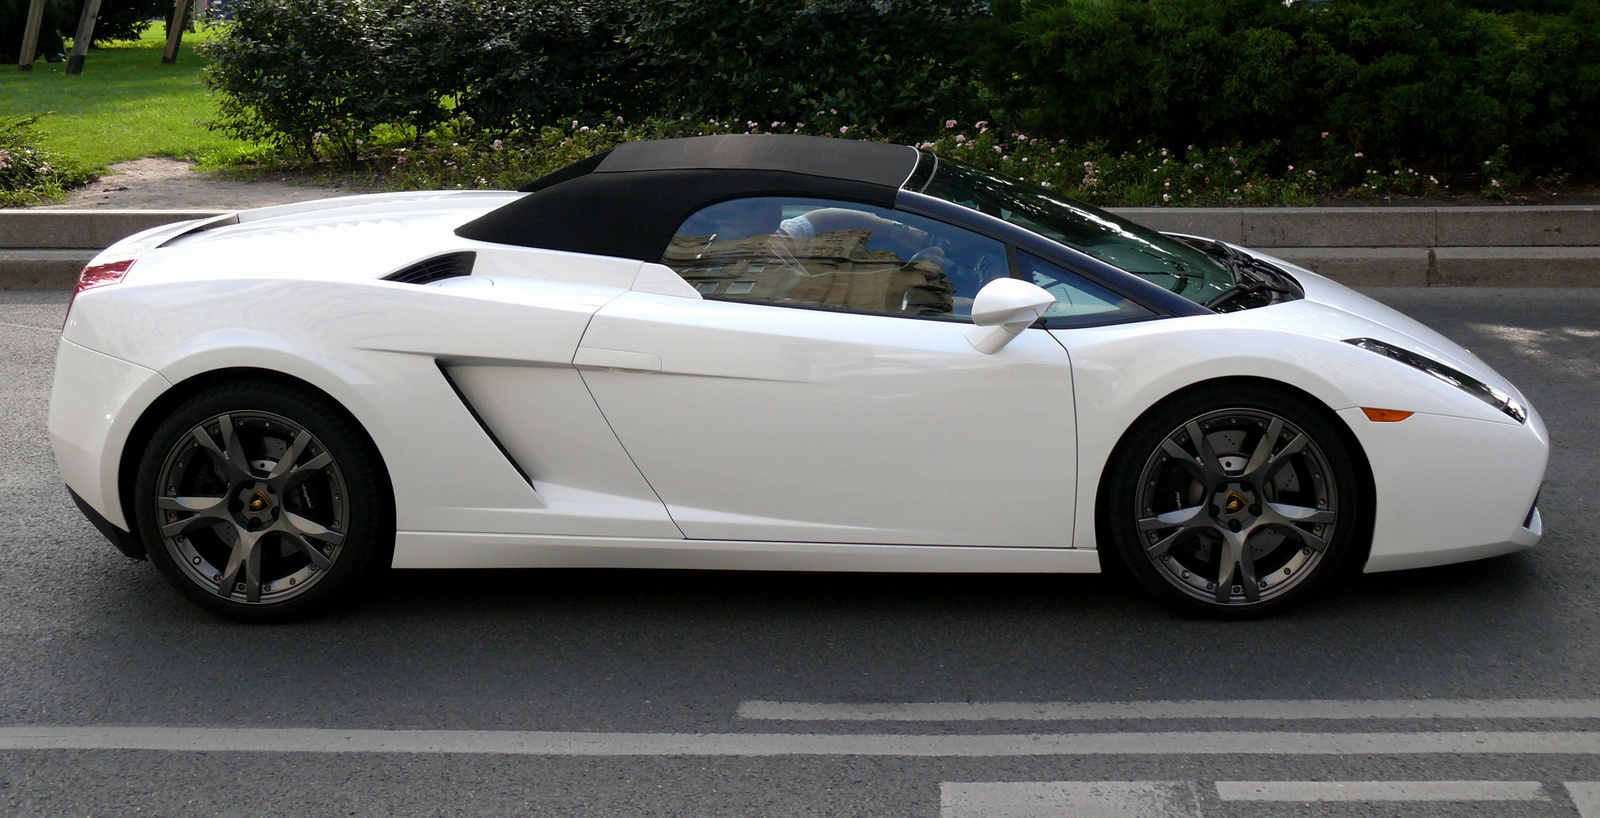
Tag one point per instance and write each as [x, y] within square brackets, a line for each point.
[844, 128]
[949, 123]
[960, 138]
[1359, 154]
[1324, 134]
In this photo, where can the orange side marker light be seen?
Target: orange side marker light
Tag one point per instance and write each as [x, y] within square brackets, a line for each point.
[1385, 415]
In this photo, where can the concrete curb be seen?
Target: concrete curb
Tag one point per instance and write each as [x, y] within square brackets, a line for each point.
[1364, 246]
[83, 229]
[1269, 227]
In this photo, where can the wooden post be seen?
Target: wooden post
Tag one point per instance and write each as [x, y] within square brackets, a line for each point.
[81, 40]
[30, 35]
[175, 32]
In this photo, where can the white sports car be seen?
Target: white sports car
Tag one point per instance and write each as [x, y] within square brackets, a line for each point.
[765, 352]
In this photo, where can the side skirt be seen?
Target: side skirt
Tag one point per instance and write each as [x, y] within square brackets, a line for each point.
[426, 549]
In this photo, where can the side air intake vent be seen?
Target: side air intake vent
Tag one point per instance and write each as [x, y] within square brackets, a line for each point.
[427, 271]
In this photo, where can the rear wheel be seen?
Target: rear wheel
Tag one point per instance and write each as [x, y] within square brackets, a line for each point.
[262, 501]
[1234, 502]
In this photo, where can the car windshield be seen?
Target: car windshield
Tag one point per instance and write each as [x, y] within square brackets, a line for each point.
[1090, 230]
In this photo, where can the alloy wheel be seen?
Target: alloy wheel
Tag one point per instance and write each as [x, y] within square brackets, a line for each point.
[252, 507]
[1236, 507]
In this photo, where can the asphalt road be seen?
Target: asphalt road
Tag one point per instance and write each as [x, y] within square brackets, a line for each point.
[616, 677]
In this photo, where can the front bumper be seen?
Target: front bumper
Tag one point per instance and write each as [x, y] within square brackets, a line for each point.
[1451, 489]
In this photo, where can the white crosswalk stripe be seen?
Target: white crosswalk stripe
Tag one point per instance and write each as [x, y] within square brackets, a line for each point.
[551, 743]
[1187, 799]
[1331, 709]
[1311, 791]
[1586, 796]
[1077, 799]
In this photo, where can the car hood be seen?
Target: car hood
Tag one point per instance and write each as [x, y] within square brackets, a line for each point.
[349, 237]
[1332, 310]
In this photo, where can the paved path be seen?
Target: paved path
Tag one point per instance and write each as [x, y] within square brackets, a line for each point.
[171, 184]
[1467, 690]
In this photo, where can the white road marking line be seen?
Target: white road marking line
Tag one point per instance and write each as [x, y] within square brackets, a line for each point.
[1586, 796]
[1265, 709]
[1307, 791]
[509, 742]
[1069, 799]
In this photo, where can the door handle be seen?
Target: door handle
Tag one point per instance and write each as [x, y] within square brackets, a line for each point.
[596, 358]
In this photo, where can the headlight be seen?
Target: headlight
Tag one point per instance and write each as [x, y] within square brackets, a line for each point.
[1456, 378]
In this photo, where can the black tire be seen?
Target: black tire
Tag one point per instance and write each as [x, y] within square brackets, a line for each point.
[1292, 515]
[296, 539]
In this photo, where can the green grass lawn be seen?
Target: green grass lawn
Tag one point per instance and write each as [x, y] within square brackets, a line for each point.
[125, 105]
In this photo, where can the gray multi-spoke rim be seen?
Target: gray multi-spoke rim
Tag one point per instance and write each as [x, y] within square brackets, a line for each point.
[253, 507]
[1236, 507]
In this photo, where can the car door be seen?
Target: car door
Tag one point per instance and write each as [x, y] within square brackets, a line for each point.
[823, 388]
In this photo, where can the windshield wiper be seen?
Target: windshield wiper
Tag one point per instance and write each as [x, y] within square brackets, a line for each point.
[1252, 276]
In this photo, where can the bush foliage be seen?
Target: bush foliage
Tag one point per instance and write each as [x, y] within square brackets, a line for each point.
[291, 69]
[28, 173]
[887, 62]
[1146, 175]
[1361, 89]
[1441, 82]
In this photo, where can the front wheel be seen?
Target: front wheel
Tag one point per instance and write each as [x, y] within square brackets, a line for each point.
[1234, 501]
[262, 501]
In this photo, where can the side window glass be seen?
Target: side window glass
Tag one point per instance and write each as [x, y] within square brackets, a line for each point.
[825, 254]
[1078, 300]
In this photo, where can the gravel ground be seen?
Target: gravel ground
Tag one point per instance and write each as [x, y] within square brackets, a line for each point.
[170, 184]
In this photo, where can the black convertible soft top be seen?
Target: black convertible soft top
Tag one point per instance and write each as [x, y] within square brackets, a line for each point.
[628, 202]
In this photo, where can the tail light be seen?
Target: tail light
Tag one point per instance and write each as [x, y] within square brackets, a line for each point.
[98, 275]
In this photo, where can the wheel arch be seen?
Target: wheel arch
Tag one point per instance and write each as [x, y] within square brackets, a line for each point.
[144, 428]
[1367, 486]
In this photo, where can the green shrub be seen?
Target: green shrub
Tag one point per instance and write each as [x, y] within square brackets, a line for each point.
[304, 75]
[1433, 79]
[319, 76]
[535, 62]
[1360, 88]
[890, 62]
[28, 173]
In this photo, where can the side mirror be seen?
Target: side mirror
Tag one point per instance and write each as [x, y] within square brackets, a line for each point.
[1003, 309]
